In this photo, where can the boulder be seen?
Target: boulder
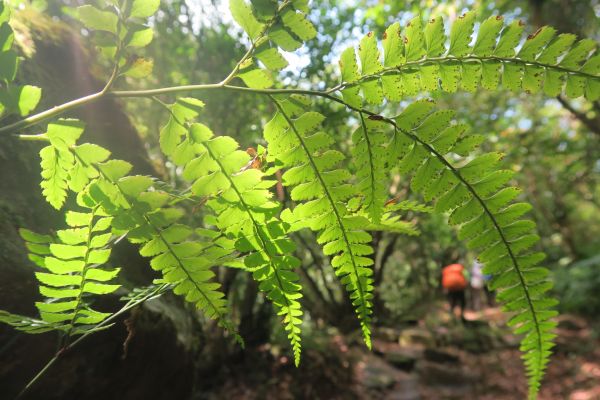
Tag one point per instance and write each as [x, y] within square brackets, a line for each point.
[404, 359]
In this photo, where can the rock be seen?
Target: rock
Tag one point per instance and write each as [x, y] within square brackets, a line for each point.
[416, 336]
[407, 388]
[432, 373]
[403, 359]
[445, 356]
[378, 378]
[387, 334]
[570, 323]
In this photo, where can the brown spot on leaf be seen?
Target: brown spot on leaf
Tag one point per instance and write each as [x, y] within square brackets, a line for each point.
[384, 35]
[405, 40]
[499, 17]
[370, 34]
[390, 202]
[408, 25]
[256, 163]
[251, 151]
[432, 20]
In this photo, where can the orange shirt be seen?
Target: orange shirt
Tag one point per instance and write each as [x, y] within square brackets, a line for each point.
[453, 278]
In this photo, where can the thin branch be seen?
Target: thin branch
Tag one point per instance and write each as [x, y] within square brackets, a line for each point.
[397, 70]
[593, 124]
[130, 304]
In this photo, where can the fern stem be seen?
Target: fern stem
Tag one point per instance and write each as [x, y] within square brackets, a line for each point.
[86, 267]
[369, 148]
[398, 70]
[361, 291]
[105, 92]
[131, 304]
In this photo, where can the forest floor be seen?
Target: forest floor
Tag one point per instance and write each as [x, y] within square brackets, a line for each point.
[436, 358]
[441, 358]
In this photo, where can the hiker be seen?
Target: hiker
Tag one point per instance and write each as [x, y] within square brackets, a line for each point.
[489, 294]
[477, 286]
[454, 282]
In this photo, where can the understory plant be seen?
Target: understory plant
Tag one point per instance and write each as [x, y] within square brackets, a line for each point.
[341, 194]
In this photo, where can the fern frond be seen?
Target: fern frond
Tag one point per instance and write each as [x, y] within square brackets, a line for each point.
[296, 142]
[239, 196]
[57, 160]
[71, 264]
[270, 26]
[370, 156]
[473, 191]
[183, 256]
[416, 60]
[121, 33]
[244, 209]
[141, 213]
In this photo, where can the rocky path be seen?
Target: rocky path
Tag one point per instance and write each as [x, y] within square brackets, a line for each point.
[443, 359]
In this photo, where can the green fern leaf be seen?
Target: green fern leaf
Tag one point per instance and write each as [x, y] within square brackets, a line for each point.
[71, 272]
[143, 8]
[245, 211]
[57, 160]
[420, 62]
[270, 26]
[322, 188]
[242, 14]
[14, 99]
[370, 157]
[142, 215]
[482, 208]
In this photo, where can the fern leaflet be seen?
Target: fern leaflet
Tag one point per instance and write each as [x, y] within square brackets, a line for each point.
[370, 157]
[416, 60]
[473, 192]
[244, 210]
[295, 142]
[71, 264]
[177, 251]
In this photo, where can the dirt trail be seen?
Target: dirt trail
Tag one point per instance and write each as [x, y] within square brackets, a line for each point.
[443, 359]
[435, 359]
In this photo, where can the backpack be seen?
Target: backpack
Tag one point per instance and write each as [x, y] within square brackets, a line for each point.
[453, 278]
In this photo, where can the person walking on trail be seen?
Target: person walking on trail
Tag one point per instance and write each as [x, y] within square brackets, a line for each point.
[454, 282]
[477, 286]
